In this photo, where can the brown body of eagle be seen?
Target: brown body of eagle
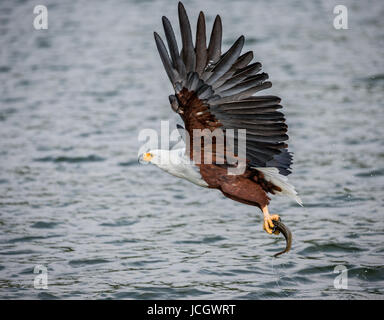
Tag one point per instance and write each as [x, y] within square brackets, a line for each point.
[215, 90]
[250, 187]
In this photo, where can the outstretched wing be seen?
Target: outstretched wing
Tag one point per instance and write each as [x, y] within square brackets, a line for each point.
[215, 90]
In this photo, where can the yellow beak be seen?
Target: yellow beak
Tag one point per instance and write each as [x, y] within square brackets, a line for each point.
[147, 157]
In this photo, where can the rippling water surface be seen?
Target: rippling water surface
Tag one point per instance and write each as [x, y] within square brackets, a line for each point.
[74, 199]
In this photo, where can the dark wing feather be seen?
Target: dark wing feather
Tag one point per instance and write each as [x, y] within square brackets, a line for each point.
[178, 64]
[225, 63]
[201, 45]
[215, 90]
[216, 100]
[239, 77]
[214, 48]
[171, 72]
[188, 52]
[241, 62]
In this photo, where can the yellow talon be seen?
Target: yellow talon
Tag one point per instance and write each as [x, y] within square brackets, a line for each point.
[271, 227]
[268, 221]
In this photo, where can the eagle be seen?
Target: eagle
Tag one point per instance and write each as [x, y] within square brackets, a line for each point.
[216, 92]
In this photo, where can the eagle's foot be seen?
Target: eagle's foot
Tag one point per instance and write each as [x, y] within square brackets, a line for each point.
[273, 224]
[269, 226]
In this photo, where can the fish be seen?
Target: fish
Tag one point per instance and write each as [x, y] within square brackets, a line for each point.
[281, 227]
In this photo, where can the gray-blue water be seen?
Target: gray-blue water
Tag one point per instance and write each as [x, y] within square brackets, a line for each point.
[73, 198]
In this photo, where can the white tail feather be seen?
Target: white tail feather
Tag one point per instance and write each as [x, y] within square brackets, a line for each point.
[272, 175]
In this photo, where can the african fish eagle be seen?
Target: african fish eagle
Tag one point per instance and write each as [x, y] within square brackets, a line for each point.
[216, 90]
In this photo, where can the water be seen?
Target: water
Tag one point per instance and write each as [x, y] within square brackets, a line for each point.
[74, 199]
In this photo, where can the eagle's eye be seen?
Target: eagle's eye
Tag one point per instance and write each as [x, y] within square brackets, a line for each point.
[147, 156]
